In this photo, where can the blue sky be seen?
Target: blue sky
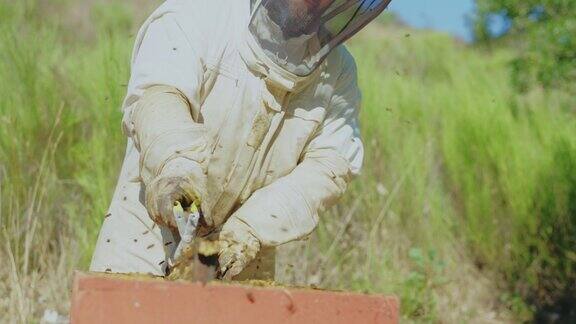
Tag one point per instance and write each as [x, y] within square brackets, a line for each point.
[443, 15]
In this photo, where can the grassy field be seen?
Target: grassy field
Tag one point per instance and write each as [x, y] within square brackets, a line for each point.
[466, 208]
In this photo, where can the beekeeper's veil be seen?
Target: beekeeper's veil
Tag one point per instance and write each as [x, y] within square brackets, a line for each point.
[297, 35]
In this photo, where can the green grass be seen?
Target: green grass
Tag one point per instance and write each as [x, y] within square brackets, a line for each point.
[466, 207]
[479, 165]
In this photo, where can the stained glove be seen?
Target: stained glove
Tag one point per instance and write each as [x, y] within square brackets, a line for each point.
[172, 150]
[239, 247]
[176, 183]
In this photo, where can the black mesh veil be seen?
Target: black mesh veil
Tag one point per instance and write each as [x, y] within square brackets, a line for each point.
[297, 35]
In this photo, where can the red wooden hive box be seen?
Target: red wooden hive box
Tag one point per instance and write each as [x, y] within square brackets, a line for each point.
[109, 300]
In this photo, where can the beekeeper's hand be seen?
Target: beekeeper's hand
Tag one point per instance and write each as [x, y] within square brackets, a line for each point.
[174, 184]
[238, 248]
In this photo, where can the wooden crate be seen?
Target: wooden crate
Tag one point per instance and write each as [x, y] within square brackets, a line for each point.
[111, 299]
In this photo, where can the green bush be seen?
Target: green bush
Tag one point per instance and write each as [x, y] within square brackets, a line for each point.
[542, 31]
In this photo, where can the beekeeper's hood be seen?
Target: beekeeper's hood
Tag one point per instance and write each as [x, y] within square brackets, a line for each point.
[287, 40]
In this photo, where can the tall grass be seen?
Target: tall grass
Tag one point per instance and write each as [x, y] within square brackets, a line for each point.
[465, 208]
[477, 170]
[60, 148]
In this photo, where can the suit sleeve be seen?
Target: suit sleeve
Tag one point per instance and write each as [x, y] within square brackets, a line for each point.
[162, 105]
[287, 209]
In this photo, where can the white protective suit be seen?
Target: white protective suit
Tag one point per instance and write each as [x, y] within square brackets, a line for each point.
[268, 149]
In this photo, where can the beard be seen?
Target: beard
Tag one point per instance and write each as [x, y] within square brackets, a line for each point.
[293, 22]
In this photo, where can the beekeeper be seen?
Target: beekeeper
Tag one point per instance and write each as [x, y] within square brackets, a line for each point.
[249, 109]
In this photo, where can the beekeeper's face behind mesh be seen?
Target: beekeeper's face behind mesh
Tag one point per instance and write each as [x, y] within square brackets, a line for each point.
[297, 35]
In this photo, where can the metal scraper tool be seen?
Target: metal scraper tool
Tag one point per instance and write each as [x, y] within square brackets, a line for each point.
[195, 259]
[187, 223]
